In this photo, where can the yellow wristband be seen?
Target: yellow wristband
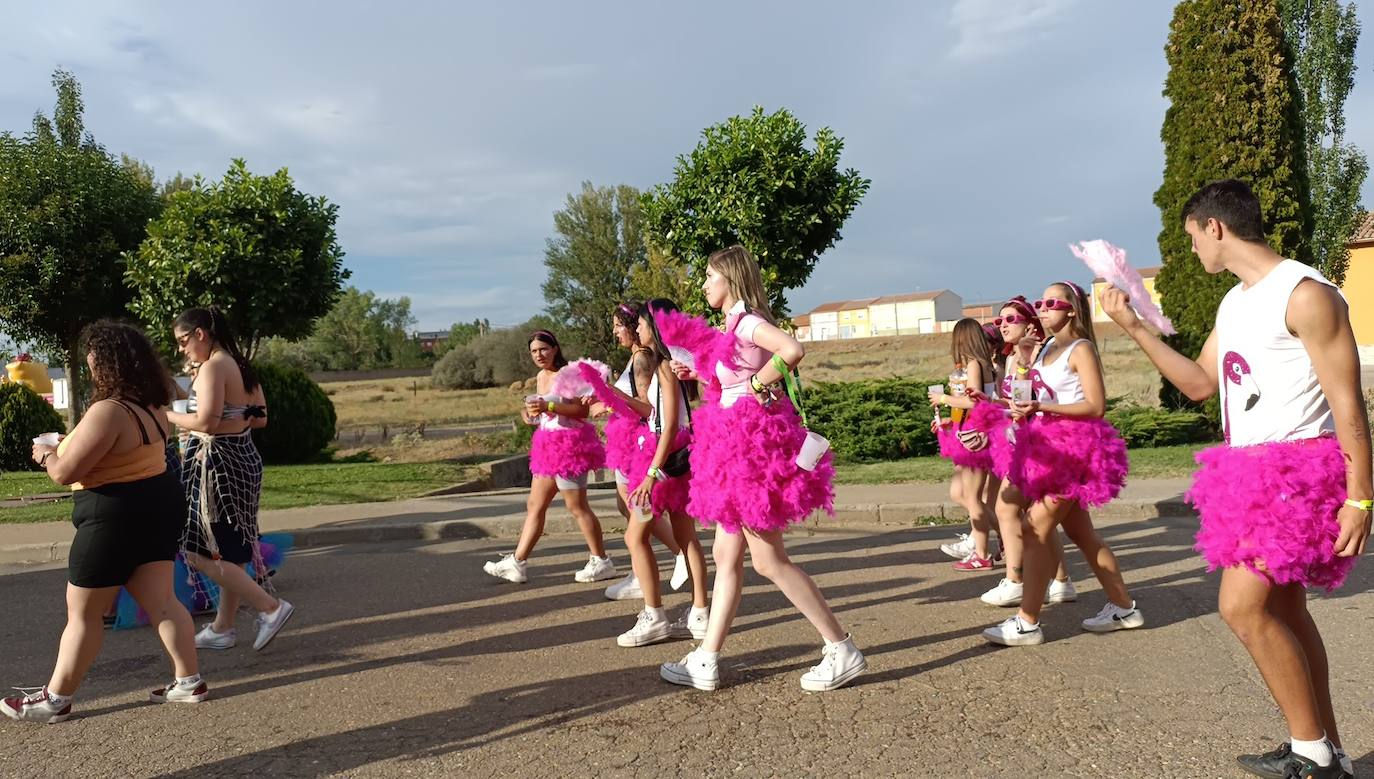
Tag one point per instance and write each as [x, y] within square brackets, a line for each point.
[1362, 505]
[550, 406]
[944, 400]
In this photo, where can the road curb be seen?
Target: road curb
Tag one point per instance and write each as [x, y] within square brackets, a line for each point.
[855, 516]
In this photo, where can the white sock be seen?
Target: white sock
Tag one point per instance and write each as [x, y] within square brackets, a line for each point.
[695, 611]
[712, 656]
[60, 701]
[1319, 751]
[656, 612]
[188, 681]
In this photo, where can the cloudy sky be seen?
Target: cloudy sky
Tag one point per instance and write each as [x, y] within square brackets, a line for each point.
[995, 131]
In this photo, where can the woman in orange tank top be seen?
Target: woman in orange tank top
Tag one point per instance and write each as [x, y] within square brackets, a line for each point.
[128, 512]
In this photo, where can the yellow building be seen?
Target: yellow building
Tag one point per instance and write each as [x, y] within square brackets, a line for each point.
[853, 319]
[1147, 274]
[1359, 287]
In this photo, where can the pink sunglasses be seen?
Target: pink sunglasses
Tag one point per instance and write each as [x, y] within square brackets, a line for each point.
[1011, 319]
[1050, 304]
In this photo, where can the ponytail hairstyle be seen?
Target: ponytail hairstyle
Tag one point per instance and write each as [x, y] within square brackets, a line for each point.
[1081, 323]
[741, 272]
[996, 346]
[657, 348]
[546, 337]
[215, 325]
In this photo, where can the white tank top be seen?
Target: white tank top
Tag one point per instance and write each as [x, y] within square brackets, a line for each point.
[1269, 391]
[549, 421]
[654, 401]
[1056, 382]
[626, 382]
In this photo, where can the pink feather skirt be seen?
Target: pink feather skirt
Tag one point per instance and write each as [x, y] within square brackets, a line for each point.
[1063, 457]
[622, 440]
[567, 453]
[985, 418]
[744, 470]
[670, 494]
[1272, 508]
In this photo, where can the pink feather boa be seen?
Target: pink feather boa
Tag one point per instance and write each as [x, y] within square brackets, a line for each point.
[1273, 505]
[984, 417]
[625, 426]
[744, 470]
[1064, 457]
[568, 452]
[571, 380]
[1109, 262]
[707, 344]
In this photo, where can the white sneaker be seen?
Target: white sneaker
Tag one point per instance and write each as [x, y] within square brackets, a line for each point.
[270, 624]
[625, 589]
[1061, 592]
[1013, 632]
[959, 549]
[508, 568]
[696, 670]
[1113, 617]
[680, 572]
[840, 663]
[207, 638]
[649, 629]
[596, 569]
[181, 693]
[692, 624]
[35, 707]
[1006, 593]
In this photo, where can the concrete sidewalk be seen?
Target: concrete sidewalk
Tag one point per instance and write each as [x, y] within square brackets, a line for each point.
[499, 514]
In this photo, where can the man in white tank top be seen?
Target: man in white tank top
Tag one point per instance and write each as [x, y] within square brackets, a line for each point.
[1283, 357]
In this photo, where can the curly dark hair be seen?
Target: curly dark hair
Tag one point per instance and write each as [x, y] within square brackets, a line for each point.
[127, 367]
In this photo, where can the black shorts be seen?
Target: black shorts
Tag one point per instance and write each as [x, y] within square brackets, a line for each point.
[122, 526]
[234, 544]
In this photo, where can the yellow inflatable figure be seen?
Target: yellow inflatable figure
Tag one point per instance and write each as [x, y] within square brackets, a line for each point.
[32, 374]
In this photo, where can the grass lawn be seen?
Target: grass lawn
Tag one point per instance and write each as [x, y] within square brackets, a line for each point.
[1165, 462]
[399, 403]
[284, 486]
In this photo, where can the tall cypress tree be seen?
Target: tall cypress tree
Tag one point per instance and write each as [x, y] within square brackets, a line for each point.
[1233, 113]
[1321, 36]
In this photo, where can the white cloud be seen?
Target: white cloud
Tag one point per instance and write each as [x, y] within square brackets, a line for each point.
[985, 29]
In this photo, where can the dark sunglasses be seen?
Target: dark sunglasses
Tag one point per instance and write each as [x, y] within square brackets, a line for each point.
[1051, 304]
[1011, 319]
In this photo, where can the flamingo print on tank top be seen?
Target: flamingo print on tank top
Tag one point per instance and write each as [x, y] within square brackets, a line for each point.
[1237, 372]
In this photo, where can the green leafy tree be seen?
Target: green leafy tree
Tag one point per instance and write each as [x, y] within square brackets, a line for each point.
[1321, 36]
[598, 242]
[362, 332]
[662, 277]
[255, 246]
[461, 334]
[1233, 113]
[68, 213]
[751, 180]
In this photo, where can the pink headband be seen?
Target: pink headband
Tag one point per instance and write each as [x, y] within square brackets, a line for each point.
[1075, 288]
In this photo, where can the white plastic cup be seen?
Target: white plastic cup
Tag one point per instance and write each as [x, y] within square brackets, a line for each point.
[936, 389]
[1020, 391]
[48, 439]
[182, 406]
[813, 448]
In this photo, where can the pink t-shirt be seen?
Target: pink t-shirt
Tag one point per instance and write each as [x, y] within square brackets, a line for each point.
[749, 356]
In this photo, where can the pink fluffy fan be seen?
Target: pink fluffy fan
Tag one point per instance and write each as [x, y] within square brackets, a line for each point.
[1109, 262]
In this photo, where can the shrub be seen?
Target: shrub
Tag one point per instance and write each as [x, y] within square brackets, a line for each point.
[300, 419]
[868, 421]
[1143, 426]
[457, 369]
[24, 415]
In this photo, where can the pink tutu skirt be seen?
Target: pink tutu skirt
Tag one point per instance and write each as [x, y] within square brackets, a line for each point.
[622, 441]
[984, 417]
[1272, 508]
[744, 469]
[670, 494]
[1064, 457]
[567, 453]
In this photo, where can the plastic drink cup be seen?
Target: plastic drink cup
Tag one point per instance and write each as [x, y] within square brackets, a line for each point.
[48, 439]
[813, 448]
[1020, 391]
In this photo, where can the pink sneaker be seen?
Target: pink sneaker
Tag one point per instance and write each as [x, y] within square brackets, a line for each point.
[974, 563]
